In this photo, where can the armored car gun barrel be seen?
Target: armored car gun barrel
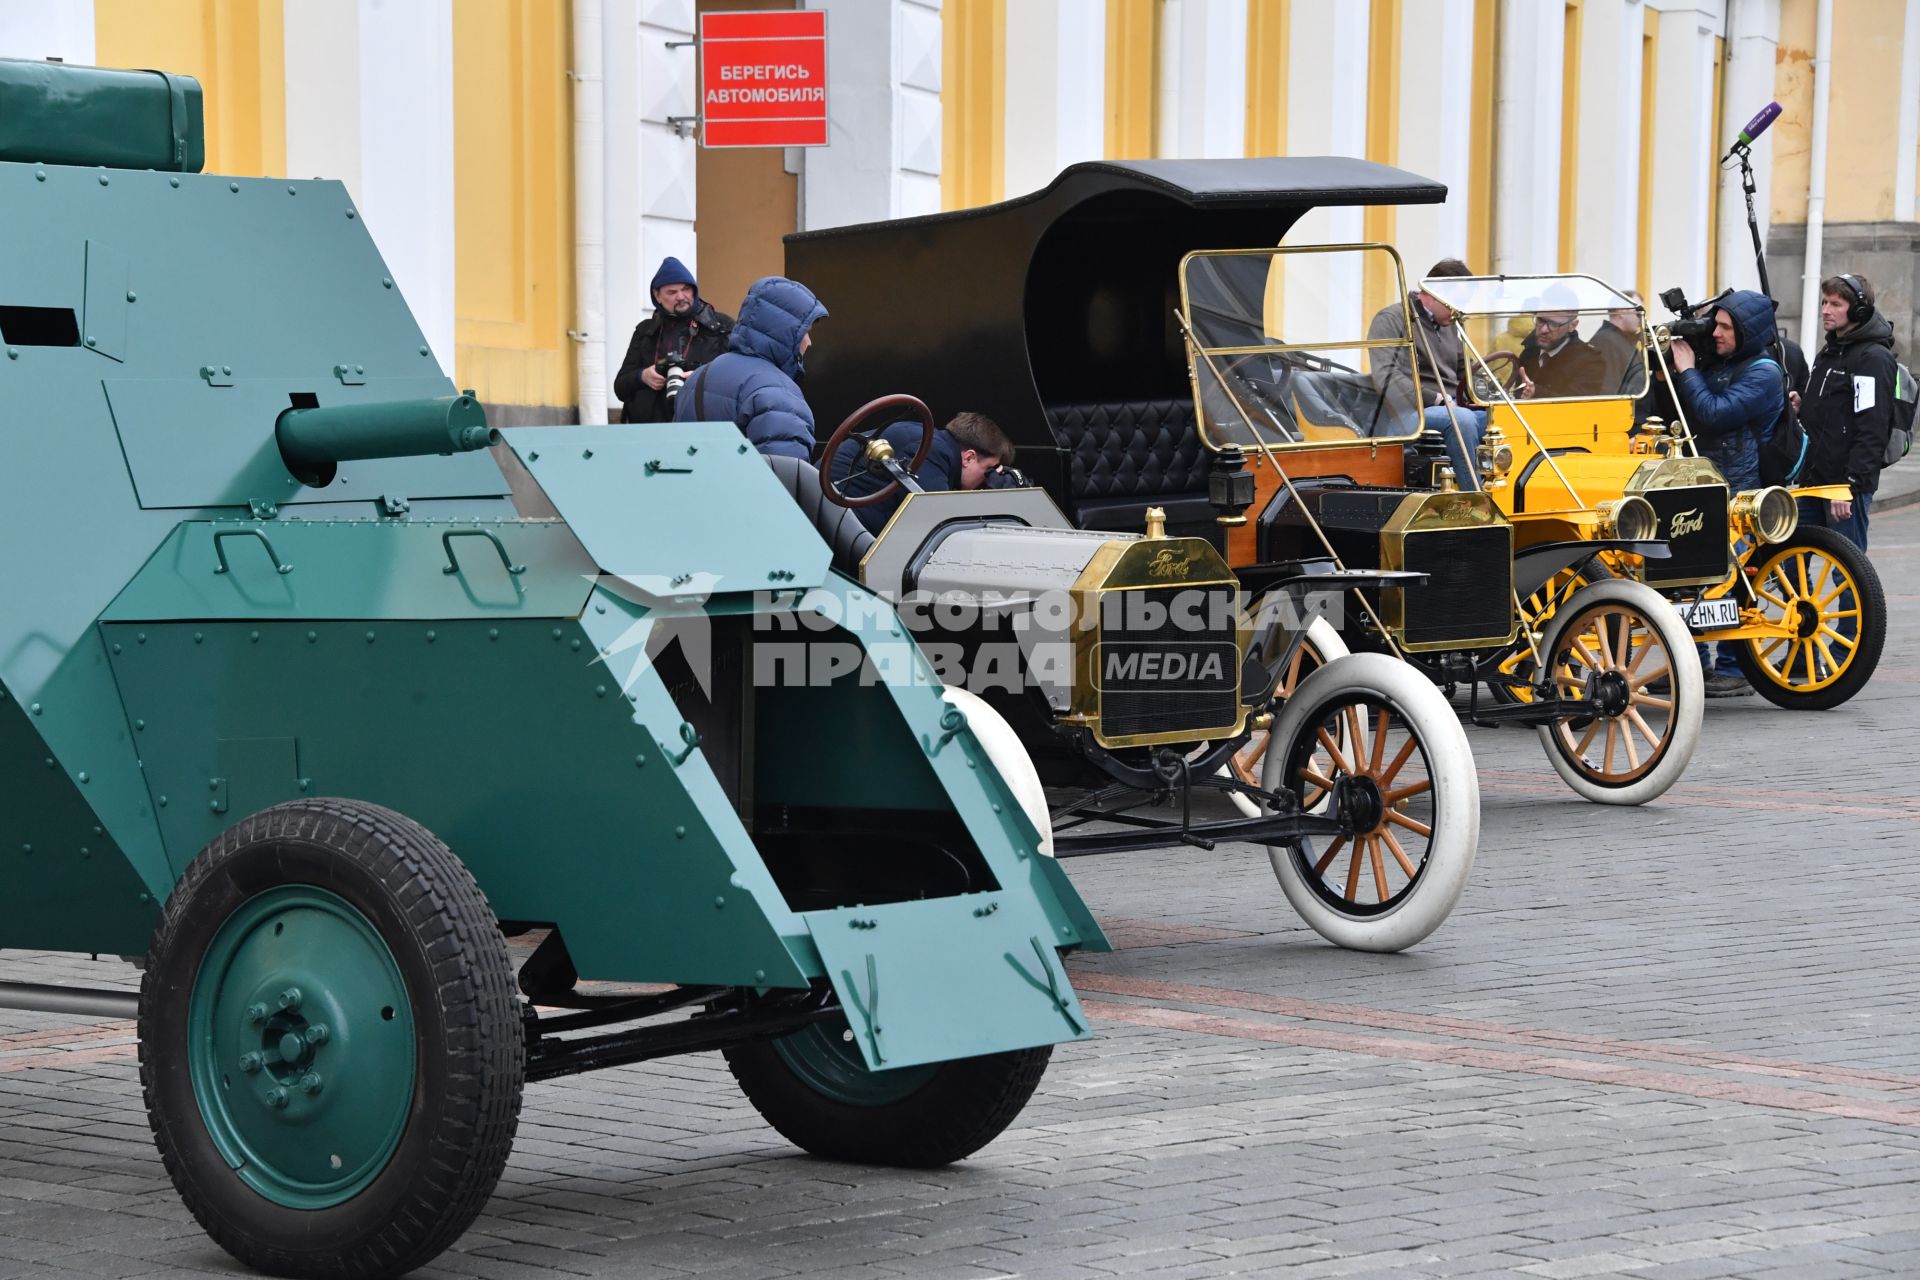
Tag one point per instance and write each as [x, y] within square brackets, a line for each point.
[294, 706]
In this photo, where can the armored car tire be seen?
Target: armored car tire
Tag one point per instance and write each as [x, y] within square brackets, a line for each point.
[1368, 738]
[1826, 589]
[330, 1042]
[1621, 648]
[815, 1090]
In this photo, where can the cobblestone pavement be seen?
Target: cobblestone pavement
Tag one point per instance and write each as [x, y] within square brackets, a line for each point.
[1675, 1041]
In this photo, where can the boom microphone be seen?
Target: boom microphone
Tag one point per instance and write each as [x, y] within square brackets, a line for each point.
[1755, 127]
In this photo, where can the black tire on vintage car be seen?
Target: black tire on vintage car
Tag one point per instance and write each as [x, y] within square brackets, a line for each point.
[1370, 738]
[1819, 582]
[813, 1087]
[330, 1042]
[1621, 646]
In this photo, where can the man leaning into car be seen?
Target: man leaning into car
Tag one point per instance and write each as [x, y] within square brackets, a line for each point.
[1440, 386]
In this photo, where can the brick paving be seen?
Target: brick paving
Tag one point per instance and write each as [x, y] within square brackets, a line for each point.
[1677, 1041]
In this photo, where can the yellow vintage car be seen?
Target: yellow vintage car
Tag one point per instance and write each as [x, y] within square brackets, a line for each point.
[1802, 607]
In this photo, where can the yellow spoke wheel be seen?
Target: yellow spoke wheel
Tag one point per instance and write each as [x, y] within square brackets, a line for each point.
[1823, 590]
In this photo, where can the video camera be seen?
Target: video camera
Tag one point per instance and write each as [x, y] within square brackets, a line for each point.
[1006, 478]
[1695, 324]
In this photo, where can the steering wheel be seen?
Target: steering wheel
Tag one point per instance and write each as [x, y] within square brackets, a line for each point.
[845, 431]
[1504, 366]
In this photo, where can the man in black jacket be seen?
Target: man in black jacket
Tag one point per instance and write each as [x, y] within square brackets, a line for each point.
[684, 331]
[1847, 407]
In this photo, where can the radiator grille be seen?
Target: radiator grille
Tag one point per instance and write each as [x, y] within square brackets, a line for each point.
[1699, 552]
[1167, 677]
[1468, 594]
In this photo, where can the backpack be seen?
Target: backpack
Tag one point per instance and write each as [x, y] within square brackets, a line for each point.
[1784, 453]
[1906, 397]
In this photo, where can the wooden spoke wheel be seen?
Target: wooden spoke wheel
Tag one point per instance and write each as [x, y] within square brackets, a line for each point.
[1321, 645]
[1620, 650]
[1368, 740]
[1824, 590]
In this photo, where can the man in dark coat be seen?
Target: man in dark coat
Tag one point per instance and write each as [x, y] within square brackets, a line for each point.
[755, 384]
[1618, 343]
[1557, 362]
[1732, 404]
[684, 330]
[963, 455]
[1847, 407]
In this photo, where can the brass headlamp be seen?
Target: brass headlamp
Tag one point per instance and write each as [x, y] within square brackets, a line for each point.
[1770, 514]
[1630, 519]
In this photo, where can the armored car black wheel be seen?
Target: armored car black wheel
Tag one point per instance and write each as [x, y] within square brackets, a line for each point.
[817, 1093]
[1619, 648]
[330, 1042]
[1368, 739]
[1826, 590]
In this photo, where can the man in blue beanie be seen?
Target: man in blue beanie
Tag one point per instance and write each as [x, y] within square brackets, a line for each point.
[1732, 402]
[684, 332]
[756, 384]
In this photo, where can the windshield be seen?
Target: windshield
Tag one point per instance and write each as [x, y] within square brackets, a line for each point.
[1561, 337]
[1284, 351]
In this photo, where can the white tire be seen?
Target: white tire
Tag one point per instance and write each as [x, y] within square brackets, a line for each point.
[1372, 891]
[1322, 645]
[1009, 756]
[1634, 755]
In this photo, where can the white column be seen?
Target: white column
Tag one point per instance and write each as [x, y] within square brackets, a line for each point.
[654, 164]
[1747, 86]
[1436, 112]
[1527, 123]
[1056, 89]
[1684, 158]
[1907, 131]
[352, 71]
[1607, 239]
[1327, 115]
[882, 158]
[1203, 79]
[620, 171]
[41, 31]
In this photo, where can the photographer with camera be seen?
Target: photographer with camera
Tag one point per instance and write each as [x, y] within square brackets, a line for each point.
[683, 333]
[1732, 392]
[970, 452]
[1847, 407]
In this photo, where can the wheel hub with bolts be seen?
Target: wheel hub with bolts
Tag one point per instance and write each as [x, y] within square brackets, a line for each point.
[304, 1047]
[1610, 692]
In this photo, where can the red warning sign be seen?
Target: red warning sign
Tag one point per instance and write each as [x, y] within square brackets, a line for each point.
[763, 79]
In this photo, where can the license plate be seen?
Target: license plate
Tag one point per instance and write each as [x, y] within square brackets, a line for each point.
[1710, 615]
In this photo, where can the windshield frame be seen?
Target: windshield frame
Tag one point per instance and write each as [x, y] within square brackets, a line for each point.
[1263, 436]
[1476, 358]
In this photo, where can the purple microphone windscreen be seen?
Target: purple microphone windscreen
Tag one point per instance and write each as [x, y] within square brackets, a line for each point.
[1758, 125]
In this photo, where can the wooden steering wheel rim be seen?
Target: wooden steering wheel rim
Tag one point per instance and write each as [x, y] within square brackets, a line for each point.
[914, 407]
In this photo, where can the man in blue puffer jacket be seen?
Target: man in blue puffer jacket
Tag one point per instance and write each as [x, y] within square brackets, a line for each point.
[1732, 405]
[755, 384]
[1733, 402]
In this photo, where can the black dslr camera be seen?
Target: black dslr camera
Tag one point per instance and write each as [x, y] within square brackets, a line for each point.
[675, 370]
[1695, 324]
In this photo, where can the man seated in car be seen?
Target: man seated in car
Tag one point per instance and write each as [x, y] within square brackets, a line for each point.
[1556, 362]
[965, 454]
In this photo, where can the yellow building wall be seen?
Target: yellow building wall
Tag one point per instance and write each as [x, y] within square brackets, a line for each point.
[973, 102]
[1863, 110]
[1383, 143]
[237, 51]
[1268, 48]
[513, 201]
[1133, 79]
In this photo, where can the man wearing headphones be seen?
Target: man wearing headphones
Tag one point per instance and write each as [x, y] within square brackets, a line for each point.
[1848, 406]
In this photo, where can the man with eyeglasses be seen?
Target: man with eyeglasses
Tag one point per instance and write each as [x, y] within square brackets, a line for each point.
[1555, 361]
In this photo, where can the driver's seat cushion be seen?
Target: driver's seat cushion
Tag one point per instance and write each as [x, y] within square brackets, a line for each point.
[841, 528]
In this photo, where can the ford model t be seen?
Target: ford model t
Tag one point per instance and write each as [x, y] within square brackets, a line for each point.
[296, 712]
[1142, 355]
[1801, 608]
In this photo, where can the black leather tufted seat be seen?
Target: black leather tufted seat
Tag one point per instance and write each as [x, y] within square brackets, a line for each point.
[1125, 457]
[837, 524]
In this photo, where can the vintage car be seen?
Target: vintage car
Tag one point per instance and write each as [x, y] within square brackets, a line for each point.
[1803, 607]
[1066, 317]
[1126, 669]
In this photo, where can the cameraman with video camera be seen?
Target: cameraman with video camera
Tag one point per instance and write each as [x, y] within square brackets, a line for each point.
[683, 333]
[1732, 392]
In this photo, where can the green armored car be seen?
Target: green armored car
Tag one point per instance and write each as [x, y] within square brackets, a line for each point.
[298, 714]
